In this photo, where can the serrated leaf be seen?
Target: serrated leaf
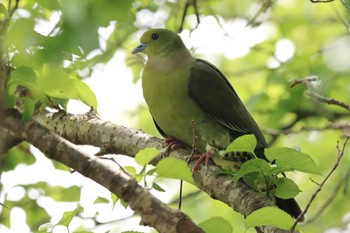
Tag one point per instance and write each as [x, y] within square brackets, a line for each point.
[286, 188]
[270, 216]
[143, 157]
[175, 169]
[157, 187]
[291, 160]
[245, 143]
[215, 225]
[252, 165]
[67, 217]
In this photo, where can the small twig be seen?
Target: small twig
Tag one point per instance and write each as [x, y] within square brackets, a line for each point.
[306, 81]
[13, 9]
[314, 181]
[264, 7]
[338, 125]
[311, 92]
[330, 198]
[327, 100]
[115, 161]
[196, 11]
[321, 1]
[194, 139]
[340, 153]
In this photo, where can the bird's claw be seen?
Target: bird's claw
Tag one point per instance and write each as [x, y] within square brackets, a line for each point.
[171, 144]
[200, 158]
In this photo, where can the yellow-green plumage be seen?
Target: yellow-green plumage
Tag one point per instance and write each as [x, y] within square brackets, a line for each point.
[179, 89]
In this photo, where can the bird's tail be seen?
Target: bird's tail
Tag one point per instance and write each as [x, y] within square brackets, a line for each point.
[290, 206]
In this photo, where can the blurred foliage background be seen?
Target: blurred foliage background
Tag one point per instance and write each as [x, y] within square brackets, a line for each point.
[50, 46]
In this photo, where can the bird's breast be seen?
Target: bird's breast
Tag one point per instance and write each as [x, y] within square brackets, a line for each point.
[166, 91]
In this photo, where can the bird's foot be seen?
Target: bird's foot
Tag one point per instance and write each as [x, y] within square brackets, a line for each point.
[171, 144]
[200, 158]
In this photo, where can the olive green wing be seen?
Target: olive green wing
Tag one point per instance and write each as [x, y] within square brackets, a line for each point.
[215, 95]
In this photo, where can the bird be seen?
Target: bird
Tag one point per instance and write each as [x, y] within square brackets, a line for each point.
[182, 91]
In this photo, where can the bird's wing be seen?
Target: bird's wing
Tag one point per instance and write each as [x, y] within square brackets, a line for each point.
[214, 94]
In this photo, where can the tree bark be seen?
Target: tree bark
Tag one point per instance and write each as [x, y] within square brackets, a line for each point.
[112, 138]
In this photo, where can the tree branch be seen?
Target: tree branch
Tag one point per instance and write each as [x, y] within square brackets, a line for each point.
[88, 129]
[340, 153]
[152, 211]
[311, 92]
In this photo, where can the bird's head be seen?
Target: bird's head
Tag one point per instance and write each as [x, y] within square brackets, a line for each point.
[159, 42]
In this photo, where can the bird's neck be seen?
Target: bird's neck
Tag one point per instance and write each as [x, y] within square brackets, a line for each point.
[169, 61]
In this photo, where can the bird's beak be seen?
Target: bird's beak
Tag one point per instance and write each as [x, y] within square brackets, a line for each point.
[139, 48]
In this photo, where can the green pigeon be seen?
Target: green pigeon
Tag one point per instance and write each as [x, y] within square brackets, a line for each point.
[181, 90]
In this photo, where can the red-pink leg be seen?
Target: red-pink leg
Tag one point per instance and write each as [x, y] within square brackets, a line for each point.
[172, 144]
[200, 158]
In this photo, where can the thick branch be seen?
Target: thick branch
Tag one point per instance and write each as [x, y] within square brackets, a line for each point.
[152, 211]
[83, 129]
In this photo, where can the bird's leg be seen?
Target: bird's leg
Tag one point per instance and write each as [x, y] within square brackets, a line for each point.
[171, 144]
[210, 151]
[200, 158]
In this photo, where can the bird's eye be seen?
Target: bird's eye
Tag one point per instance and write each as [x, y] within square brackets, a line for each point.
[155, 36]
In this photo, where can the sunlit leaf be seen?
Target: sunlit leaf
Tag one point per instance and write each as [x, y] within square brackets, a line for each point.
[67, 217]
[85, 94]
[175, 169]
[101, 200]
[215, 225]
[245, 143]
[143, 157]
[270, 216]
[71, 194]
[291, 159]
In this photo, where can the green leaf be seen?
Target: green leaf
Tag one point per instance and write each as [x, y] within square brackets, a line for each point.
[244, 143]
[85, 94]
[51, 4]
[175, 169]
[102, 200]
[157, 187]
[114, 198]
[23, 76]
[215, 225]
[55, 82]
[29, 108]
[291, 159]
[252, 165]
[17, 155]
[71, 194]
[286, 188]
[270, 216]
[3, 10]
[132, 171]
[67, 217]
[143, 157]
